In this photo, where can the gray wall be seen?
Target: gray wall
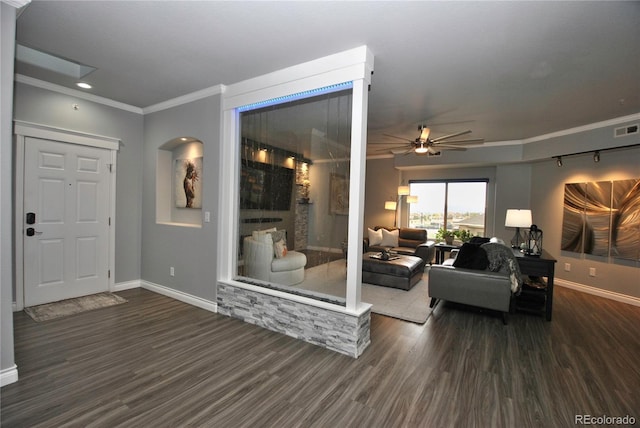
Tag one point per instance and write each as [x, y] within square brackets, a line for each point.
[326, 230]
[7, 38]
[190, 250]
[529, 179]
[45, 107]
[547, 197]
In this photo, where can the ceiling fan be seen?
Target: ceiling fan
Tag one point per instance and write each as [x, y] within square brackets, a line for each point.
[430, 146]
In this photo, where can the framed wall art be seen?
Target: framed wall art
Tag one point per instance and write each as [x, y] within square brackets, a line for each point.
[187, 183]
[601, 218]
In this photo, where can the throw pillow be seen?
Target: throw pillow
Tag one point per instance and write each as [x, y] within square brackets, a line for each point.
[263, 235]
[280, 249]
[471, 256]
[390, 239]
[375, 236]
[478, 240]
[277, 235]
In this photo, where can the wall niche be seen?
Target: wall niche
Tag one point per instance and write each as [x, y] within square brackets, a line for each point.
[179, 182]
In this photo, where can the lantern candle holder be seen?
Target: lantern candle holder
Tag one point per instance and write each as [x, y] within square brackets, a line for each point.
[534, 242]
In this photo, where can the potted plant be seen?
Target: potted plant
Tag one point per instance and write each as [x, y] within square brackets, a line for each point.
[463, 235]
[447, 235]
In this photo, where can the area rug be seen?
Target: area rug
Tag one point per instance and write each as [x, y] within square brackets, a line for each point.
[74, 306]
[331, 278]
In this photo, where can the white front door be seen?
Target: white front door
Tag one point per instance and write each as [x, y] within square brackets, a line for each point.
[66, 220]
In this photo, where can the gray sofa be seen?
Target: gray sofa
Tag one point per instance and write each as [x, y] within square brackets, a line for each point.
[491, 288]
[411, 242]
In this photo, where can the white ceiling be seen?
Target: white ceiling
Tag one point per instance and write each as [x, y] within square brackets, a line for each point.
[505, 70]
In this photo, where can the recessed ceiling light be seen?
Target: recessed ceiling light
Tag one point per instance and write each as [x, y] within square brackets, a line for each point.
[83, 85]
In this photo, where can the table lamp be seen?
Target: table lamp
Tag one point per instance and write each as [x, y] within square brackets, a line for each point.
[517, 218]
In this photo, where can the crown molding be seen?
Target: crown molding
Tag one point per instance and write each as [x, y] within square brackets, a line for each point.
[219, 89]
[17, 3]
[76, 93]
[584, 128]
[185, 99]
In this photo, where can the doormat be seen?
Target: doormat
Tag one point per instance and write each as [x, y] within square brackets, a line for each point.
[63, 308]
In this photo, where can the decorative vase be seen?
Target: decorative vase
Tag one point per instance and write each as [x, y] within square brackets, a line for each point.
[448, 240]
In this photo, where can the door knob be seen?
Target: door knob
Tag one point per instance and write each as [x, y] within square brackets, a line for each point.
[31, 231]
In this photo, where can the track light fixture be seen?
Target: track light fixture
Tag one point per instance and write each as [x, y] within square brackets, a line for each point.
[596, 153]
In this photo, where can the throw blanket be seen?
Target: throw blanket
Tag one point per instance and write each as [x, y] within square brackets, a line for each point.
[501, 259]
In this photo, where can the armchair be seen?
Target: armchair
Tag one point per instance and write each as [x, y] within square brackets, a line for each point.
[261, 263]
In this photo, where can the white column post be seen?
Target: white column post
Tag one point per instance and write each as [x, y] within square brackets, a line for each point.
[356, 191]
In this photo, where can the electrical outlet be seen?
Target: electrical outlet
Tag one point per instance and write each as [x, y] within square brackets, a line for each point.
[567, 267]
[172, 271]
[592, 271]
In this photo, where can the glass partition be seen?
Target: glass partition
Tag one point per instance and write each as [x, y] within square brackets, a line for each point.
[294, 196]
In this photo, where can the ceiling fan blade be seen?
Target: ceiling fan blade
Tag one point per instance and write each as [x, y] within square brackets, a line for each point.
[389, 149]
[472, 141]
[399, 138]
[446, 147]
[435, 140]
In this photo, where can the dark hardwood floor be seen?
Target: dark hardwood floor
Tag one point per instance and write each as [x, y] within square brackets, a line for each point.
[157, 362]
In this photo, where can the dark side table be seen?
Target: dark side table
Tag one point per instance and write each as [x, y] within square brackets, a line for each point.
[442, 249]
[536, 299]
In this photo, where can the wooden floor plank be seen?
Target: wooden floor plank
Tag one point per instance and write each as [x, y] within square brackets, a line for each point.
[155, 361]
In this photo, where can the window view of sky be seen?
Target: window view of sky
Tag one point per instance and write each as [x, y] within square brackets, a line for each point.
[465, 206]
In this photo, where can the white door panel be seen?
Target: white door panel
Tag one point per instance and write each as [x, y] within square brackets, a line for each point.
[67, 187]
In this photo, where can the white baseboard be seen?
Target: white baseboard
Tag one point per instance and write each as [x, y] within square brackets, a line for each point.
[612, 295]
[128, 285]
[181, 296]
[9, 375]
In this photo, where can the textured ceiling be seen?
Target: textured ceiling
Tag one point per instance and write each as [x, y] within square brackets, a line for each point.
[505, 70]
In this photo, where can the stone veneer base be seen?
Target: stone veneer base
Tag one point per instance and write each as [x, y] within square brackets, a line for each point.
[335, 330]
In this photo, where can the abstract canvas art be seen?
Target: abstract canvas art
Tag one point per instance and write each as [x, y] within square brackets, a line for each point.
[339, 195]
[187, 184]
[602, 218]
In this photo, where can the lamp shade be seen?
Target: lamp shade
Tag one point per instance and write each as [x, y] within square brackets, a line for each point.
[412, 199]
[518, 218]
[403, 190]
[390, 205]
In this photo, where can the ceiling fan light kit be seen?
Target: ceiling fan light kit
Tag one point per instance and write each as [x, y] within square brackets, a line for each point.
[425, 145]
[422, 149]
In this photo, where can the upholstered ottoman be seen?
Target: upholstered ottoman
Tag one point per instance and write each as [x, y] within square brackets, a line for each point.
[403, 272]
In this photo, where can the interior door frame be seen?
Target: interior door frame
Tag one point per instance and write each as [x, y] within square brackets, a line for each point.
[24, 130]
